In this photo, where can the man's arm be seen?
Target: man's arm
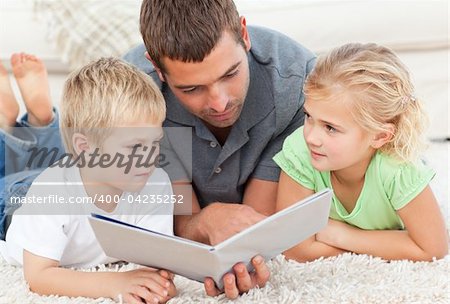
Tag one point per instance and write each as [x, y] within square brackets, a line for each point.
[261, 195]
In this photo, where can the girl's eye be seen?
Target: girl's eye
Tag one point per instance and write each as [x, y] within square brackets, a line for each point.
[330, 129]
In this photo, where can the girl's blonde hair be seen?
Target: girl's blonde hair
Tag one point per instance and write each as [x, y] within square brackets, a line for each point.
[104, 94]
[381, 90]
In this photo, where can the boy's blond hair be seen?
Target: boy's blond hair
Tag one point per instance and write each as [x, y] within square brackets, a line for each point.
[381, 90]
[104, 94]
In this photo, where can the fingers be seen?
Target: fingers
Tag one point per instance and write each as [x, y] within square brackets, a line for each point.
[157, 276]
[172, 290]
[261, 274]
[131, 299]
[243, 279]
[149, 297]
[230, 287]
[210, 288]
[161, 290]
[166, 274]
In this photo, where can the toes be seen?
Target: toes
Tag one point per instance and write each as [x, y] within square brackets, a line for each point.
[16, 59]
[2, 69]
[29, 57]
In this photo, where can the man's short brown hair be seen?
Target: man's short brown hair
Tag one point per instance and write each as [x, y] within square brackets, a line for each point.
[186, 30]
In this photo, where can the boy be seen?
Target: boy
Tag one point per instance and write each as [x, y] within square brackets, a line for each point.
[109, 110]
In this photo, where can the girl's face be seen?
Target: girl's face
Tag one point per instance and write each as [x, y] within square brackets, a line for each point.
[335, 141]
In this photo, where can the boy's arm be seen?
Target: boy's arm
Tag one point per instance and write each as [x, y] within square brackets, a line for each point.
[289, 192]
[424, 236]
[45, 277]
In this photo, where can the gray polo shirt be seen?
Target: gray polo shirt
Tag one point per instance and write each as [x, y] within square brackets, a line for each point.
[272, 110]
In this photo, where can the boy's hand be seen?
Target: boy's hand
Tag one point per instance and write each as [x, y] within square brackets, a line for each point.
[143, 286]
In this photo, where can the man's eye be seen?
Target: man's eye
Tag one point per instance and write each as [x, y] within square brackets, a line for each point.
[190, 90]
[232, 74]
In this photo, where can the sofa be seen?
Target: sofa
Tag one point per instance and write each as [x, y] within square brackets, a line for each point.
[79, 31]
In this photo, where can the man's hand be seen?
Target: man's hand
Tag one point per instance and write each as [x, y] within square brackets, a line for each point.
[220, 221]
[241, 280]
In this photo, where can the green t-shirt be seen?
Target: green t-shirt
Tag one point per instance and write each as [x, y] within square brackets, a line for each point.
[389, 185]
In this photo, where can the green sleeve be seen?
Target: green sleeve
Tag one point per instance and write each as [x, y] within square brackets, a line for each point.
[407, 182]
[294, 160]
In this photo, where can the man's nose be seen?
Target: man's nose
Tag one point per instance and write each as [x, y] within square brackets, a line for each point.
[217, 99]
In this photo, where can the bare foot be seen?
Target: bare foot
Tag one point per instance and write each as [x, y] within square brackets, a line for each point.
[8, 104]
[31, 77]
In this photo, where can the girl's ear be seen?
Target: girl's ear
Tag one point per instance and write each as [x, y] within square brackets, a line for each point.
[80, 143]
[383, 137]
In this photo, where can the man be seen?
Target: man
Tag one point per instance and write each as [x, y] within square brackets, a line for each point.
[240, 89]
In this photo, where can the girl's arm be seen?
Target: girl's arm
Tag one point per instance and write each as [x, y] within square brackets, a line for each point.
[424, 236]
[45, 277]
[289, 192]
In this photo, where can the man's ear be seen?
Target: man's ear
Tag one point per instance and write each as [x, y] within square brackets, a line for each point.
[383, 137]
[157, 69]
[80, 143]
[244, 34]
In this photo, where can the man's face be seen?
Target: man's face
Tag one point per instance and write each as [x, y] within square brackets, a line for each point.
[215, 89]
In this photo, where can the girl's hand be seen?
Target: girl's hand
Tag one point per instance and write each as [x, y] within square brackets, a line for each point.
[333, 233]
[143, 286]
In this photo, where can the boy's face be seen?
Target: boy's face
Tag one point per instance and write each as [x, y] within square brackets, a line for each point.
[135, 147]
[214, 89]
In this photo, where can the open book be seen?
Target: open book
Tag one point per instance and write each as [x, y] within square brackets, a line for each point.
[194, 260]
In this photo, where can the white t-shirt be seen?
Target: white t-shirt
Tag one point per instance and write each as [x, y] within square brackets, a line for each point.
[67, 236]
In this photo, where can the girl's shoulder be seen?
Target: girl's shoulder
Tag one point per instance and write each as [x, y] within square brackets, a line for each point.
[401, 181]
[389, 166]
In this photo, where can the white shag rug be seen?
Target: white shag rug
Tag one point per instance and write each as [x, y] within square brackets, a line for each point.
[348, 278]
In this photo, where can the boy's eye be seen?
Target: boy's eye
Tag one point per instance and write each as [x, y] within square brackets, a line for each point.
[306, 114]
[136, 146]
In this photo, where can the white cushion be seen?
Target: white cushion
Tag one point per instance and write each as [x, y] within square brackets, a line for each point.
[324, 24]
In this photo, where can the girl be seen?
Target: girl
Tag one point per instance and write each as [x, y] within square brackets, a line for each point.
[361, 138]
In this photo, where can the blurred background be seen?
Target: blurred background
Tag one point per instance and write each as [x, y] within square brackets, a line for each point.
[70, 33]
